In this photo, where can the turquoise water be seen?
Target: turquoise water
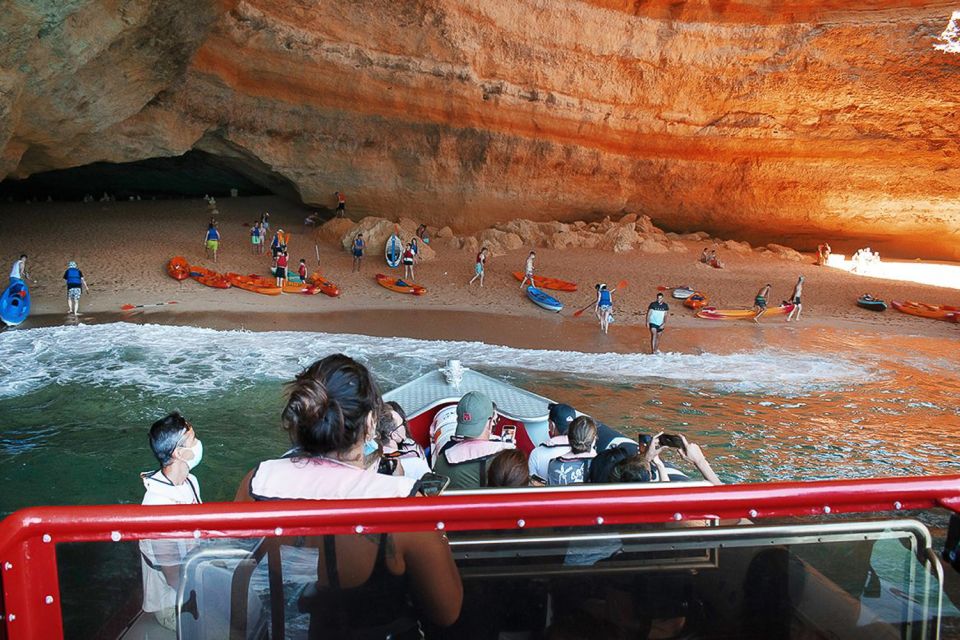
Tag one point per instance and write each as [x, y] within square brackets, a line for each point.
[76, 402]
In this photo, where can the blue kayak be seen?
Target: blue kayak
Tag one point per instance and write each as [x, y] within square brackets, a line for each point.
[869, 302]
[15, 304]
[544, 301]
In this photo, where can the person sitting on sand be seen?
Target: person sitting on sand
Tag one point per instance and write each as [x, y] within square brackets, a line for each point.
[656, 321]
[358, 245]
[760, 302]
[528, 270]
[714, 260]
[281, 272]
[212, 240]
[603, 308]
[75, 281]
[407, 260]
[795, 300]
[422, 234]
[705, 255]
[478, 268]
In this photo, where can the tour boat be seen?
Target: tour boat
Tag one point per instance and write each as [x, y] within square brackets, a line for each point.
[837, 559]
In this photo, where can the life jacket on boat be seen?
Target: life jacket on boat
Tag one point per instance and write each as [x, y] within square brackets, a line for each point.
[316, 478]
[464, 461]
[442, 428]
[570, 469]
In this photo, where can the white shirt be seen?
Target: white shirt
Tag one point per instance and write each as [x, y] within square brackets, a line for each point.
[541, 456]
[529, 265]
[157, 594]
[17, 271]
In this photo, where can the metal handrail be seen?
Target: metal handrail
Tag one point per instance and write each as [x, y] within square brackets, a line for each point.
[28, 537]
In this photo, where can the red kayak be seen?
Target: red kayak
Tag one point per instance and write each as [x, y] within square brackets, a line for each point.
[325, 286]
[209, 277]
[542, 282]
[178, 268]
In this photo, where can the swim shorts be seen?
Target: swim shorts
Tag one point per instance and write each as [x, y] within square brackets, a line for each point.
[605, 307]
[796, 300]
[73, 293]
[760, 302]
[658, 327]
[357, 253]
[478, 268]
[408, 261]
[255, 239]
[213, 245]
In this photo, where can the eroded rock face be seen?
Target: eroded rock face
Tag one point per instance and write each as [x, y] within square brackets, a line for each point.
[763, 121]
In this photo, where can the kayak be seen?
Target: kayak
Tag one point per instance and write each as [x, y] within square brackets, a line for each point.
[15, 304]
[300, 287]
[398, 285]
[542, 282]
[695, 301]
[178, 268]
[209, 278]
[393, 251]
[931, 311]
[543, 300]
[682, 293]
[712, 313]
[873, 304]
[255, 283]
[325, 286]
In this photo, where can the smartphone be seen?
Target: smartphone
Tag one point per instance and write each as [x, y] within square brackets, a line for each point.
[433, 484]
[509, 433]
[670, 440]
[537, 478]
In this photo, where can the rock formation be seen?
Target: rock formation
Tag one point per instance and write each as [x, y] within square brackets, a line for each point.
[761, 120]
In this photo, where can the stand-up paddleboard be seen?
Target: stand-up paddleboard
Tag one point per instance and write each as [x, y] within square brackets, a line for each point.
[178, 268]
[682, 293]
[543, 282]
[543, 300]
[695, 301]
[712, 313]
[209, 278]
[393, 251]
[255, 283]
[400, 286]
[931, 311]
[867, 301]
[326, 287]
[15, 304]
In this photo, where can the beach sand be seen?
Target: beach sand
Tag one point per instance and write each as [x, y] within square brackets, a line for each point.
[123, 248]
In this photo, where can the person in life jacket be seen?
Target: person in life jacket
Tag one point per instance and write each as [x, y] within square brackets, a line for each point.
[331, 412]
[603, 308]
[575, 467]
[396, 443]
[561, 416]
[464, 458]
[178, 450]
[75, 285]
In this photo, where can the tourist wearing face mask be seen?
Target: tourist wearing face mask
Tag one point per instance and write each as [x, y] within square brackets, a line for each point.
[178, 450]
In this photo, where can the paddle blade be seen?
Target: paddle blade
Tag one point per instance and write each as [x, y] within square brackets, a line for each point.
[662, 288]
[621, 285]
[127, 307]
[579, 313]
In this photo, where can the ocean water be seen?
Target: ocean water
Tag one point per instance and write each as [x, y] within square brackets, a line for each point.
[76, 402]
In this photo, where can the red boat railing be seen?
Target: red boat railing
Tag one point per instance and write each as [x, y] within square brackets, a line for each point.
[31, 595]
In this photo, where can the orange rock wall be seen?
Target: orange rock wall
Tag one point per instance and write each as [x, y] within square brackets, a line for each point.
[762, 120]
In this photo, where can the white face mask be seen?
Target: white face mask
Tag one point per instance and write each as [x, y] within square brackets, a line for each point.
[197, 450]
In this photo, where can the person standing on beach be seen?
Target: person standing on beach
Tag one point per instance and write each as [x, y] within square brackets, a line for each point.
[212, 240]
[408, 255]
[281, 271]
[795, 299]
[478, 268]
[19, 271]
[604, 306]
[302, 270]
[358, 246]
[341, 204]
[760, 302]
[255, 238]
[656, 319]
[528, 270]
[264, 224]
[75, 281]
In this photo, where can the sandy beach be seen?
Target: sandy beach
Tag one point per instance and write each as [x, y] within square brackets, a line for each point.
[123, 247]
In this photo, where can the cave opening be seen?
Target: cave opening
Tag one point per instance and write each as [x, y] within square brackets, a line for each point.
[192, 175]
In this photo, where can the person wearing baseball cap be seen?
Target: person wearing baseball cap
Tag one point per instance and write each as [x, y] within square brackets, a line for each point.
[465, 457]
[557, 445]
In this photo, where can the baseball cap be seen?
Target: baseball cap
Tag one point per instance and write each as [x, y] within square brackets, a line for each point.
[562, 415]
[473, 412]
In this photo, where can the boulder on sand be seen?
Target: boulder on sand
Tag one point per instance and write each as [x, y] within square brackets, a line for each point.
[376, 232]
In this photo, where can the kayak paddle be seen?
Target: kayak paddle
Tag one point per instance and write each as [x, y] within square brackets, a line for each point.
[620, 285]
[128, 307]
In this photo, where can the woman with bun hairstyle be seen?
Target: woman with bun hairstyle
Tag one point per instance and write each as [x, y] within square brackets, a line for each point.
[365, 585]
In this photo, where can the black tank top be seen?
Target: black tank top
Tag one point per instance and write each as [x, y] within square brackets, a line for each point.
[379, 608]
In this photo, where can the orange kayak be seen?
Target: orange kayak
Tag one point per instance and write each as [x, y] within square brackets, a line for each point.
[696, 301]
[712, 313]
[299, 287]
[178, 268]
[541, 282]
[255, 283]
[398, 285]
[324, 285]
[932, 311]
[209, 278]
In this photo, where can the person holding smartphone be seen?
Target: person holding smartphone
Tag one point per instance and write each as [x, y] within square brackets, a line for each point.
[397, 444]
[689, 451]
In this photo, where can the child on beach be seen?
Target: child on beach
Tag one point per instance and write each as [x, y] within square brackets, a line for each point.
[604, 306]
[795, 299]
[479, 267]
[528, 270]
[358, 245]
[212, 240]
[75, 281]
[281, 271]
[760, 302]
[302, 270]
[407, 259]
